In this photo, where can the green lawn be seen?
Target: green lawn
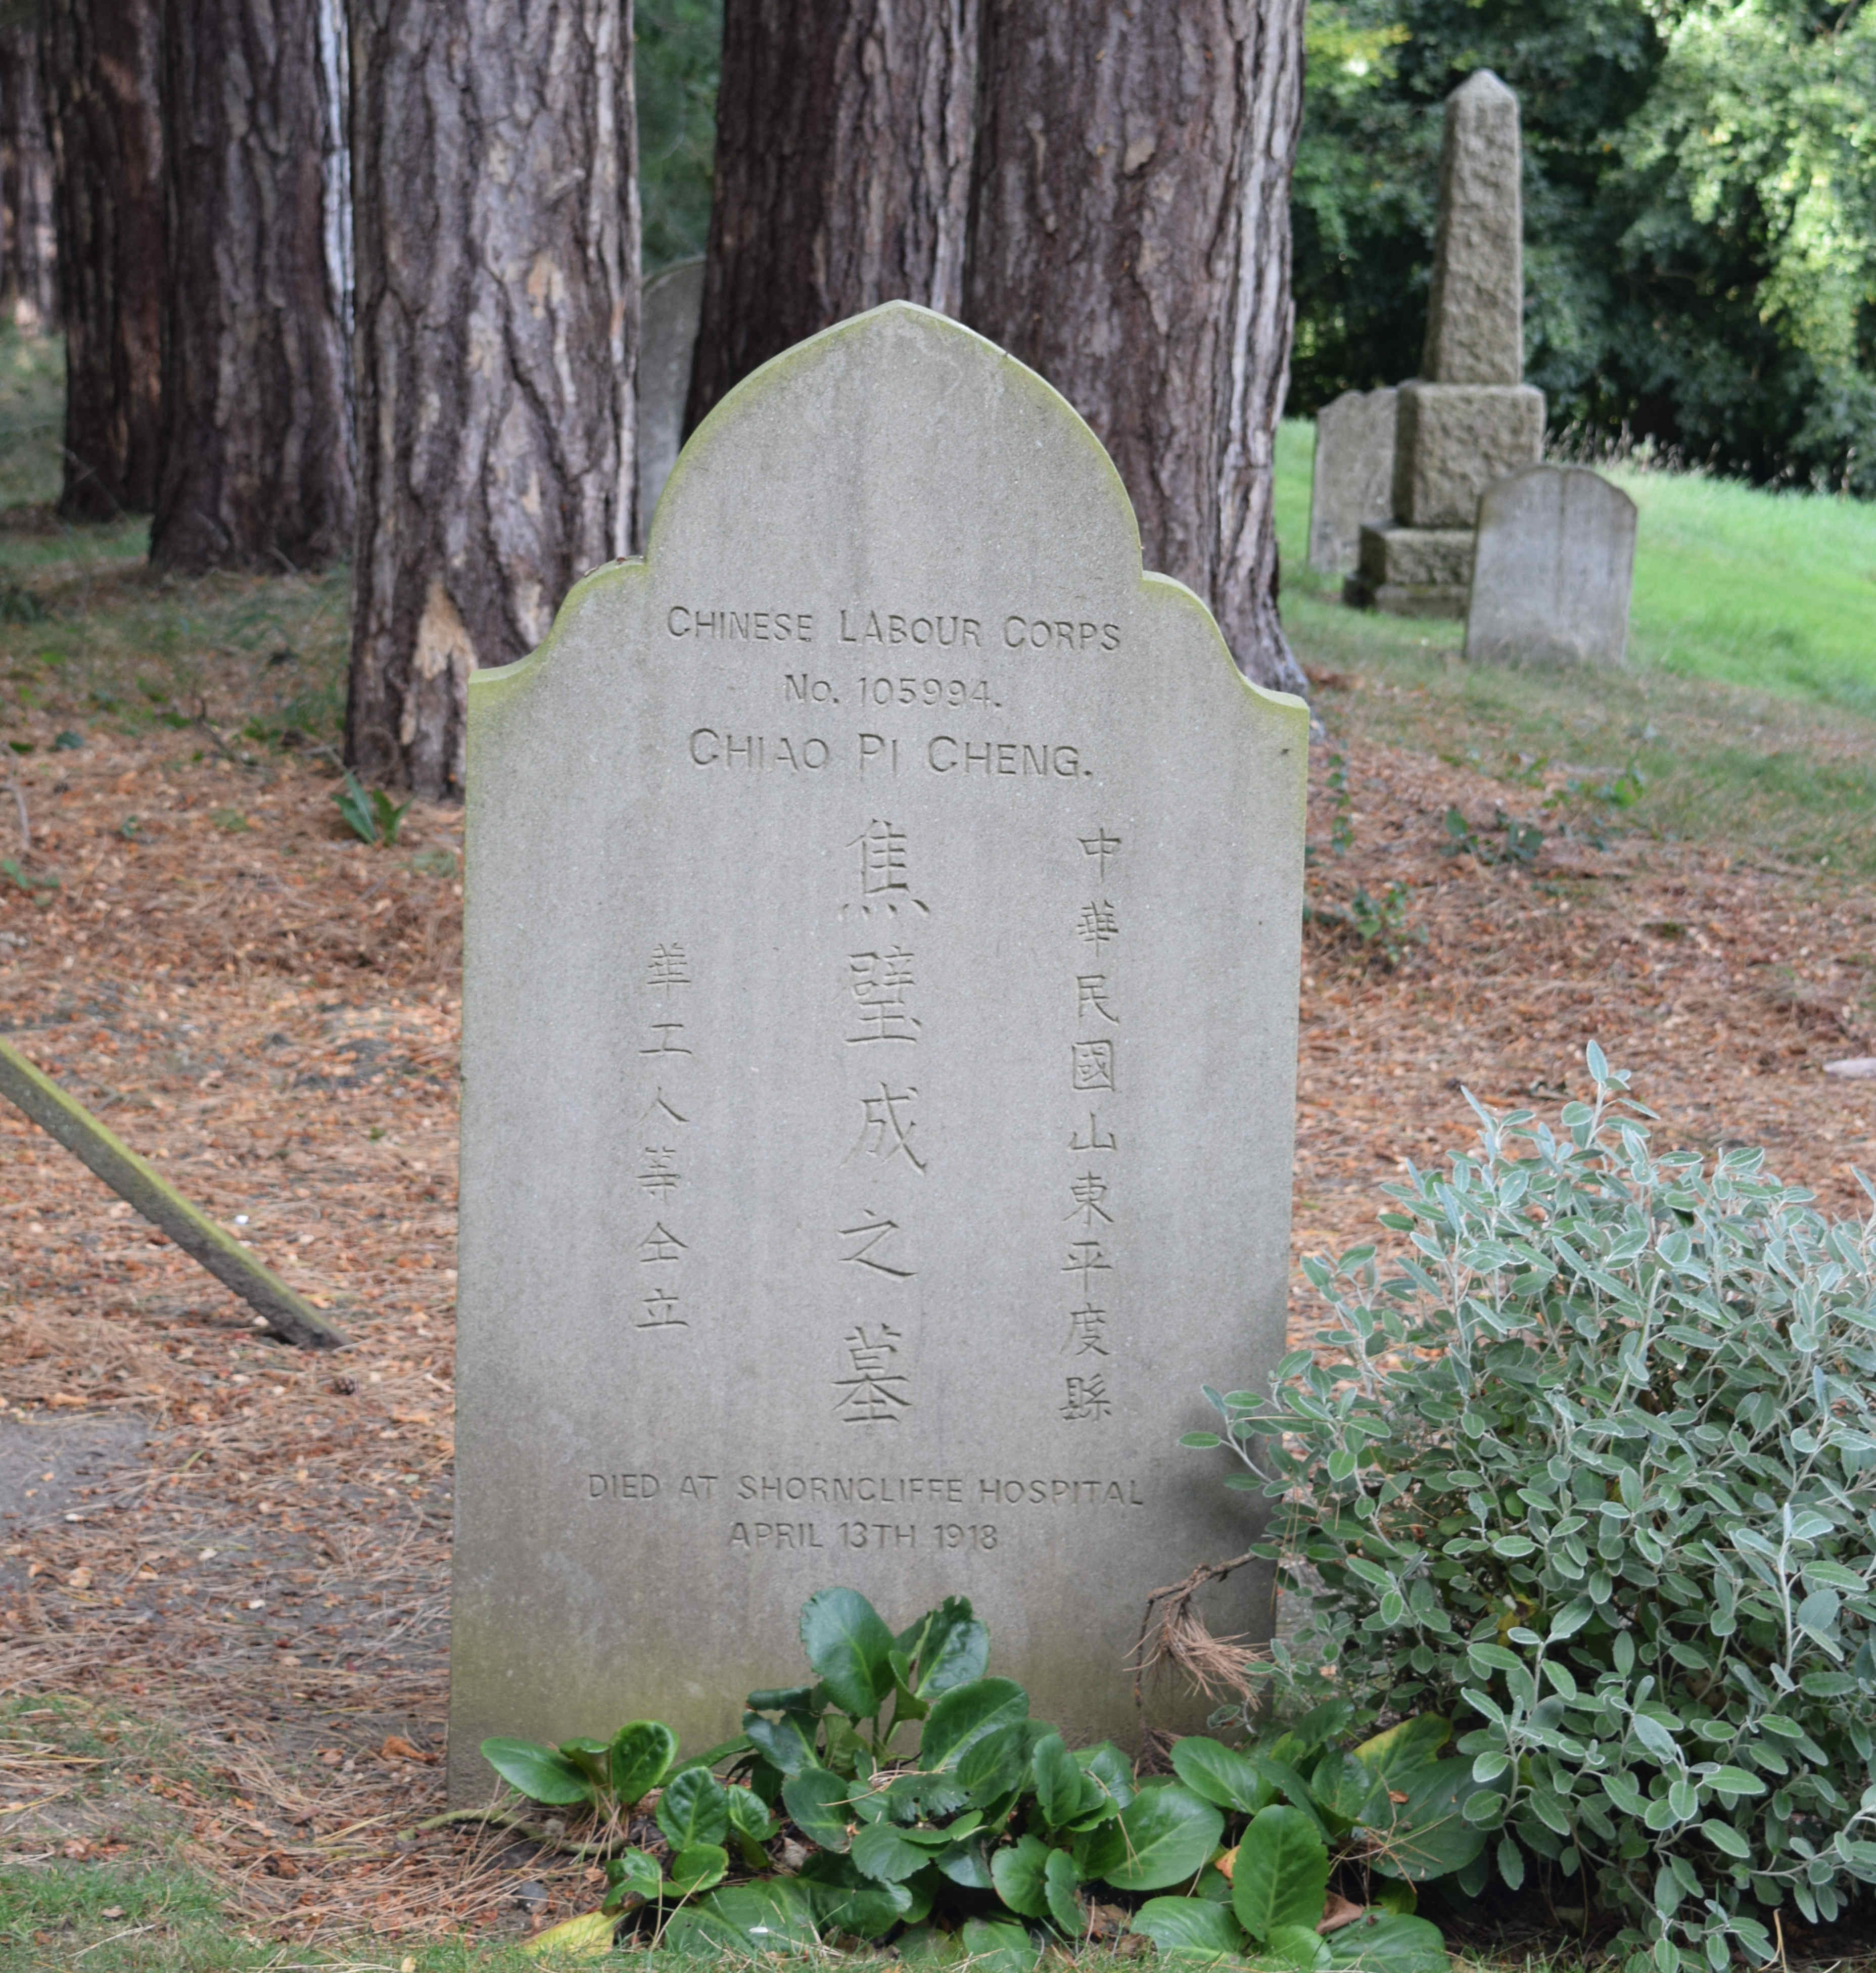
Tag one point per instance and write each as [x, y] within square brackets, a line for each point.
[1746, 717]
[1772, 591]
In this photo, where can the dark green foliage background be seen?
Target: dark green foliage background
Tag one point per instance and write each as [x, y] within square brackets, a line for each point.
[1700, 215]
[675, 66]
[1700, 208]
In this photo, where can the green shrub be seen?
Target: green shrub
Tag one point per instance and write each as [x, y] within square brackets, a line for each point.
[1593, 1469]
[938, 1814]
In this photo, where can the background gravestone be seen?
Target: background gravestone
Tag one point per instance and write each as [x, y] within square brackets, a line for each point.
[1468, 420]
[667, 338]
[1353, 483]
[1554, 567]
[879, 1037]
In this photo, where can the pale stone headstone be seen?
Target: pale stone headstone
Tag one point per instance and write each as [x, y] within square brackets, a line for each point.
[1469, 421]
[879, 1031]
[667, 338]
[1353, 483]
[1553, 570]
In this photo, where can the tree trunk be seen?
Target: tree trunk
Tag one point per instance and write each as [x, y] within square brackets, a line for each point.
[496, 205]
[255, 451]
[842, 172]
[99, 59]
[28, 266]
[1130, 239]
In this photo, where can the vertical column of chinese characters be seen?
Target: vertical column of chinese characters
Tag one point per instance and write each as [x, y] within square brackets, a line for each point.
[657, 1298]
[880, 1032]
[1093, 1148]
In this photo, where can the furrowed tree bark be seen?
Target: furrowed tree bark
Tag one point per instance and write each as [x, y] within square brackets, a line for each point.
[842, 172]
[495, 232]
[28, 255]
[1130, 239]
[256, 453]
[99, 61]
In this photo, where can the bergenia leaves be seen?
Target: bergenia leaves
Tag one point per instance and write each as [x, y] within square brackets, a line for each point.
[849, 1647]
[987, 1806]
[1163, 1836]
[541, 1773]
[641, 1755]
[1281, 1872]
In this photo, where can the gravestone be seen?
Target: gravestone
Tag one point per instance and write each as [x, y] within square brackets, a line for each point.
[880, 1035]
[1554, 566]
[1353, 483]
[667, 339]
[1468, 419]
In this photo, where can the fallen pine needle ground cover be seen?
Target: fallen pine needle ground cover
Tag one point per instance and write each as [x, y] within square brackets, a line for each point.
[223, 1564]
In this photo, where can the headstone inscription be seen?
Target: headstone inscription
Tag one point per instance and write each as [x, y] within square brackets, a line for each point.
[667, 340]
[1353, 483]
[1468, 419]
[1555, 564]
[880, 982]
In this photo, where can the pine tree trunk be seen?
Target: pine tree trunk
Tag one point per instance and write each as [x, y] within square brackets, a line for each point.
[842, 172]
[256, 453]
[1130, 239]
[29, 263]
[496, 205]
[99, 59]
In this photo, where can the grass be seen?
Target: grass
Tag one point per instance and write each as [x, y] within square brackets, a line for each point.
[1776, 592]
[90, 632]
[32, 417]
[1746, 715]
[171, 1920]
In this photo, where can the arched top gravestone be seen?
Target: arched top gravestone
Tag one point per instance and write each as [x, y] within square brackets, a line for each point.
[882, 925]
[1553, 570]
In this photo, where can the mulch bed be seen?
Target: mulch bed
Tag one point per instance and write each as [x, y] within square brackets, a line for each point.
[268, 1009]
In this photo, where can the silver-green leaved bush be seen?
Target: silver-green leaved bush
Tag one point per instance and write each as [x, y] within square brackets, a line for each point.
[1592, 1472]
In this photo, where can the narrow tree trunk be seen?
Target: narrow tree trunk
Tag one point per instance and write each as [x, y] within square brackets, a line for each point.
[29, 267]
[495, 208]
[256, 467]
[842, 172]
[1130, 239]
[99, 59]
[336, 100]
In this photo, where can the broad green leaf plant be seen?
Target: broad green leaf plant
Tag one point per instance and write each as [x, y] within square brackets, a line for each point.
[1592, 1469]
[942, 1817]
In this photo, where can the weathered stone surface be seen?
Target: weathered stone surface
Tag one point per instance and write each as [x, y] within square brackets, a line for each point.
[1353, 484]
[667, 336]
[1455, 440]
[1416, 555]
[1413, 571]
[880, 973]
[1475, 317]
[1400, 599]
[1555, 564]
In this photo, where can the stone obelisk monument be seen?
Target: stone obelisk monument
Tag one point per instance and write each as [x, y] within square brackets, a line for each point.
[1469, 418]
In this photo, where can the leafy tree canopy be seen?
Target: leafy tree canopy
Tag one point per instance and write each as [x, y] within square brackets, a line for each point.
[1700, 214]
